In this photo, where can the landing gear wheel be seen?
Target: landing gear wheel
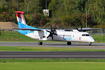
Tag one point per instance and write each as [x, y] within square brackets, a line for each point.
[40, 43]
[90, 44]
[68, 43]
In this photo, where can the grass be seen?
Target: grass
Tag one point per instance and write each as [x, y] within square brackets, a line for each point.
[50, 60]
[18, 48]
[52, 64]
[99, 38]
[14, 36]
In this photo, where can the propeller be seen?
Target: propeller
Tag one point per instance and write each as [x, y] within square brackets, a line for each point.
[52, 32]
[80, 29]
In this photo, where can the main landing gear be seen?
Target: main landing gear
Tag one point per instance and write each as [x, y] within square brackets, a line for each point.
[40, 43]
[68, 43]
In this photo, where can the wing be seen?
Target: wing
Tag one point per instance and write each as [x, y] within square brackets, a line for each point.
[87, 29]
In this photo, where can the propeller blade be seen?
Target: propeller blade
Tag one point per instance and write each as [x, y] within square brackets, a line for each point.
[51, 28]
[52, 37]
[51, 33]
[55, 34]
[48, 31]
[48, 36]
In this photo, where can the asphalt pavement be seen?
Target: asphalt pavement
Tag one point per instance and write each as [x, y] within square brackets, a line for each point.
[83, 55]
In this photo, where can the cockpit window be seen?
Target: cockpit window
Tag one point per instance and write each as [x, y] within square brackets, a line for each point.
[85, 35]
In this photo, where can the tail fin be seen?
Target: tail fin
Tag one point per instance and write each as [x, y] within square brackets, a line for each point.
[20, 19]
[22, 23]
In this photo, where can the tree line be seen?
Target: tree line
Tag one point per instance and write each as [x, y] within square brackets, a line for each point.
[63, 13]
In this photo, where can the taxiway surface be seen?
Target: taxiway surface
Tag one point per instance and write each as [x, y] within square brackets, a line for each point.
[54, 44]
[46, 44]
[82, 55]
[15, 54]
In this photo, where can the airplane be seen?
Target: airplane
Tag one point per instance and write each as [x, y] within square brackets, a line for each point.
[68, 35]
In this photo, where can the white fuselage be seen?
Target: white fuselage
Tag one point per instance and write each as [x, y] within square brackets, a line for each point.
[63, 35]
[53, 34]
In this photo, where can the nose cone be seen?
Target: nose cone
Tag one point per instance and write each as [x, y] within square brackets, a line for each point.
[91, 39]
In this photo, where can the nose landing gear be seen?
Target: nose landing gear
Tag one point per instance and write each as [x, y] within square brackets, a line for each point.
[90, 44]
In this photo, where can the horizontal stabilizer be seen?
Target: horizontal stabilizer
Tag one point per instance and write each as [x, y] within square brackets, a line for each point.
[28, 29]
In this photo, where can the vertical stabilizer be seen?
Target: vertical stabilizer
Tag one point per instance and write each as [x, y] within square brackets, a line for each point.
[20, 19]
[22, 23]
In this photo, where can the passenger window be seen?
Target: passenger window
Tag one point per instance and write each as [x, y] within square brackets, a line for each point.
[85, 34]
